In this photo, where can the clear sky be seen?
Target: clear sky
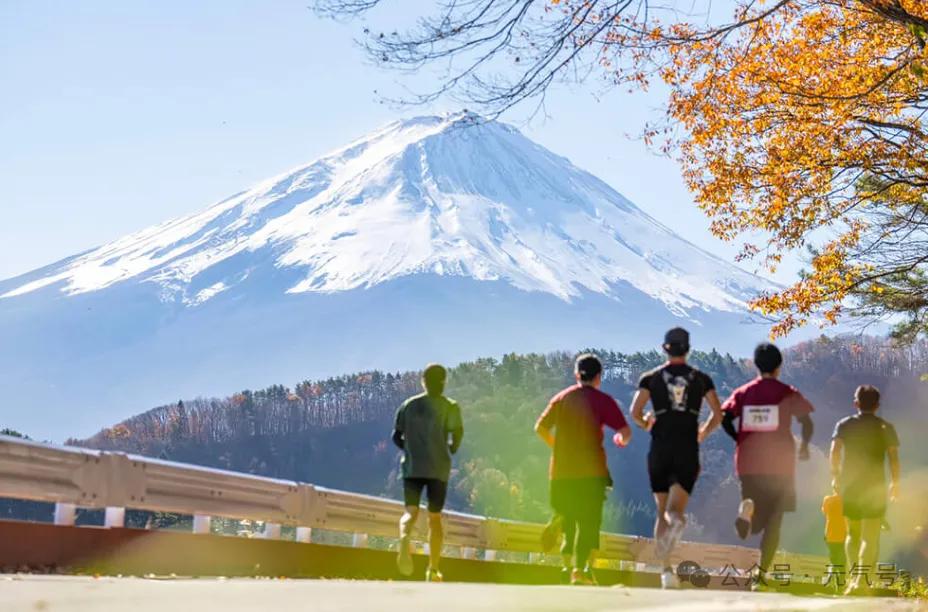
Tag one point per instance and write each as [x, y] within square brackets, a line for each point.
[117, 115]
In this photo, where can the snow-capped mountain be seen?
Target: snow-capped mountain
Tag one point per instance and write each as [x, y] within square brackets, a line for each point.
[435, 238]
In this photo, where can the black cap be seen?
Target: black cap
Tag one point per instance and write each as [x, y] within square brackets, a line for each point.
[767, 357]
[678, 336]
[588, 366]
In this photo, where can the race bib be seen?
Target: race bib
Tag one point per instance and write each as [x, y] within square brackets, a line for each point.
[760, 418]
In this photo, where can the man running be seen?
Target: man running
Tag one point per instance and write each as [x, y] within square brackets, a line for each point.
[424, 424]
[676, 391]
[572, 425]
[859, 449]
[765, 453]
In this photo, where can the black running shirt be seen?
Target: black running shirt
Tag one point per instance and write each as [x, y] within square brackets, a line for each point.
[426, 421]
[866, 439]
[677, 391]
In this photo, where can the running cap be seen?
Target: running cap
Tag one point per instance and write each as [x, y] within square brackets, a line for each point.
[767, 357]
[433, 377]
[677, 342]
[588, 366]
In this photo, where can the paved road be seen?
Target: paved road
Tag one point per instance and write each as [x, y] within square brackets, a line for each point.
[79, 594]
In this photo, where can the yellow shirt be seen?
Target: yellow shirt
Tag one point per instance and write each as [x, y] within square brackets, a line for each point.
[835, 523]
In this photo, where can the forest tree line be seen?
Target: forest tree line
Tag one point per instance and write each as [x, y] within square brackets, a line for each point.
[335, 432]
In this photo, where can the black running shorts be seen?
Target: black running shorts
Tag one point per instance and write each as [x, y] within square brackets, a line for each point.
[436, 491]
[864, 500]
[579, 502]
[772, 494]
[669, 465]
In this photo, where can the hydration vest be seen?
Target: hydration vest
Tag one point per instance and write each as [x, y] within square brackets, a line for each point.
[670, 393]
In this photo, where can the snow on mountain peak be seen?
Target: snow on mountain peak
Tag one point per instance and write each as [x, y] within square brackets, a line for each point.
[443, 195]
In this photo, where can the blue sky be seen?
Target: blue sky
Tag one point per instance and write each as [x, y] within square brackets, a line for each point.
[119, 115]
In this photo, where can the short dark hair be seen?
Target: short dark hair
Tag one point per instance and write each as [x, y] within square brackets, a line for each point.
[868, 398]
[677, 342]
[434, 377]
[767, 357]
[588, 366]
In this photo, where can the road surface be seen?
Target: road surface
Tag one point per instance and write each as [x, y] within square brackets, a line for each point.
[32, 593]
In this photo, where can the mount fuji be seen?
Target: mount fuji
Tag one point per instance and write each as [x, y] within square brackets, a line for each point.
[432, 239]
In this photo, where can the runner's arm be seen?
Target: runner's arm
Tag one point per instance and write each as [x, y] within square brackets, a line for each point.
[715, 419]
[622, 436]
[457, 435]
[546, 422]
[728, 424]
[837, 447]
[893, 452]
[731, 410]
[545, 434]
[807, 430]
[642, 396]
[455, 427]
[399, 426]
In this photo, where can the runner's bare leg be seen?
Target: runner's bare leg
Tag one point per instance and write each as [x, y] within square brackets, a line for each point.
[869, 545]
[852, 550]
[407, 525]
[675, 510]
[660, 523]
[408, 522]
[436, 539]
[770, 541]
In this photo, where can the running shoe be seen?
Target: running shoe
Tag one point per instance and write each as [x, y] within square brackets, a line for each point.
[669, 579]
[404, 558]
[745, 514]
[581, 578]
[433, 575]
[762, 582]
[552, 533]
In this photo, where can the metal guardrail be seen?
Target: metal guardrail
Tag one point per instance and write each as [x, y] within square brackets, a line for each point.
[75, 477]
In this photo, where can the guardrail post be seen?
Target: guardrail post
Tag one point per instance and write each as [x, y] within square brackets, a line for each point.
[272, 531]
[359, 540]
[201, 523]
[65, 514]
[114, 517]
[304, 534]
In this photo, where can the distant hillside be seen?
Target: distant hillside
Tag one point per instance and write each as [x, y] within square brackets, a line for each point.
[336, 432]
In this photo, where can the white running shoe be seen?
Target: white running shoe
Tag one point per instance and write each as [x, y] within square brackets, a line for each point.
[669, 580]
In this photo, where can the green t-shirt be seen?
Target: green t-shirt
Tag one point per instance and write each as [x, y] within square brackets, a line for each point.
[425, 422]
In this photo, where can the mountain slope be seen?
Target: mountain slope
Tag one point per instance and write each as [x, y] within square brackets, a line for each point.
[432, 238]
[442, 195]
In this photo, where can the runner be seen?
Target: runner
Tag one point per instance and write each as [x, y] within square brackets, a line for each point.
[859, 448]
[424, 424]
[835, 536]
[572, 425]
[676, 391]
[765, 453]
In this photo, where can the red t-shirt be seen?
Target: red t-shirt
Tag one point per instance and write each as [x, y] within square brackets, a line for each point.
[577, 416]
[765, 408]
